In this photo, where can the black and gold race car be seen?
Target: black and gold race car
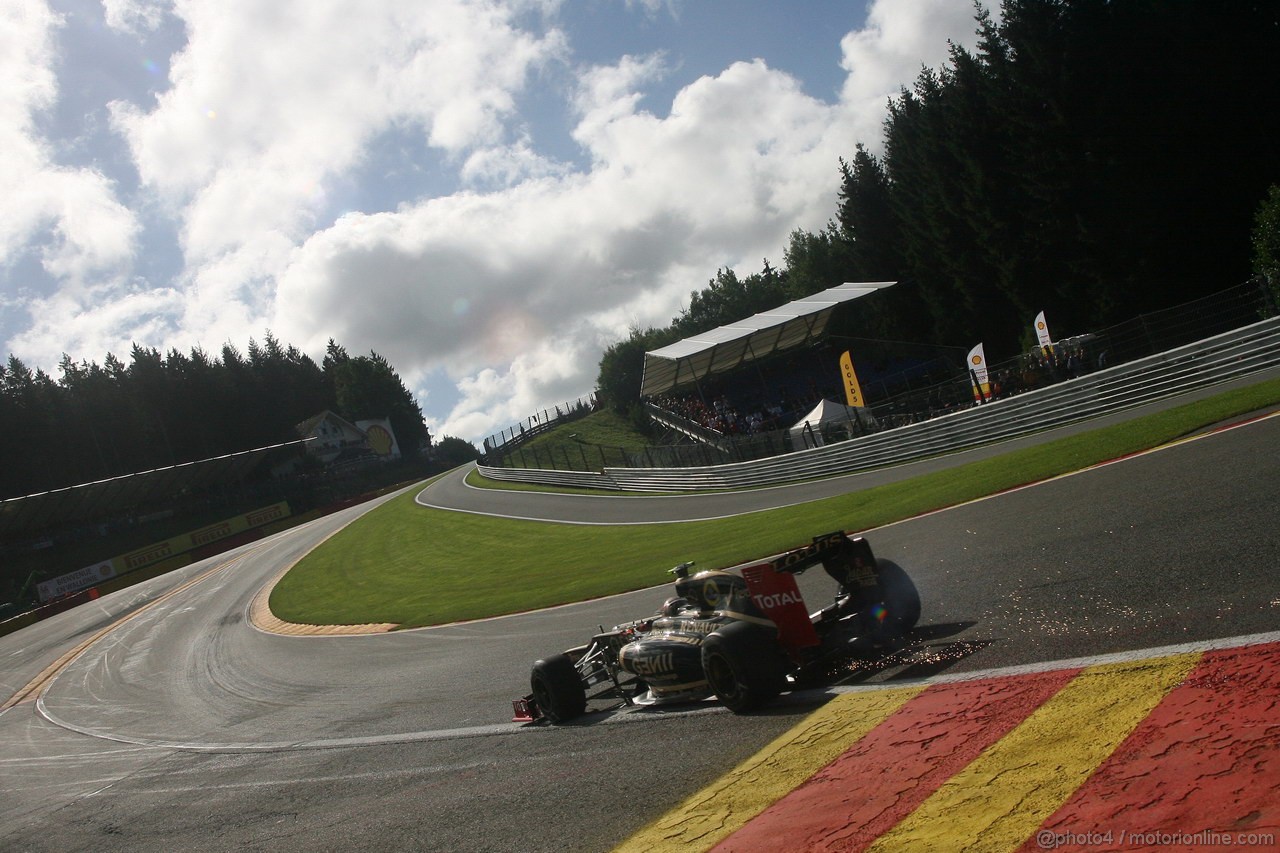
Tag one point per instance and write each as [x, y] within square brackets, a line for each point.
[743, 636]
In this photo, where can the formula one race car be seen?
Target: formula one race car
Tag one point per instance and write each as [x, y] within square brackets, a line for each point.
[743, 637]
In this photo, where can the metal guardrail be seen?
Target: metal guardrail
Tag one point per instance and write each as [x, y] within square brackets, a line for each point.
[1217, 359]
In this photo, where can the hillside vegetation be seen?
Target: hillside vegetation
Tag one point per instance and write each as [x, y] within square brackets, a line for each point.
[1094, 160]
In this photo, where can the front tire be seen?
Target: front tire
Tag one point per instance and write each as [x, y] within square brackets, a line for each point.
[744, 666]
[557, 689]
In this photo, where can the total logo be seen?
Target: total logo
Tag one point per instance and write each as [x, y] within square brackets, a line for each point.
[777, 599]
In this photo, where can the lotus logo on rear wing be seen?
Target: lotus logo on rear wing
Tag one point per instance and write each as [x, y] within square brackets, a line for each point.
[802, 558]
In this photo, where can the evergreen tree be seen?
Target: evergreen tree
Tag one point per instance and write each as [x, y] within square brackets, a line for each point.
[815, 262]
[727, 299]
[450, 452]
[622, 367]
[1266, 243]
[98, 422]
[367, 387]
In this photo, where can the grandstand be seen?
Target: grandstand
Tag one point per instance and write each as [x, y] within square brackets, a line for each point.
[730, 347]
[759, 375]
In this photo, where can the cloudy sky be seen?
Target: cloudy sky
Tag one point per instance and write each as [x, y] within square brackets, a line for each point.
[486, 192]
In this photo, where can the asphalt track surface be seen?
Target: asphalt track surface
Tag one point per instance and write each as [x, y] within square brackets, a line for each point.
[180, 725]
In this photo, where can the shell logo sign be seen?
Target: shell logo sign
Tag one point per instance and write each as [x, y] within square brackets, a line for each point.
[380, 441]
[380, 438]
[978, 374]
[1042, 331]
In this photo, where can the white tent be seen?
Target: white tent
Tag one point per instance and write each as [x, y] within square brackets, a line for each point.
[851, 420]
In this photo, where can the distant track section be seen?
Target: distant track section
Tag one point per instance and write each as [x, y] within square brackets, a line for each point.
[452, 492]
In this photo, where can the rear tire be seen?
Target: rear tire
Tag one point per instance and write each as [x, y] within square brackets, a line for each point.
[744, 666]
[901, 599]
[557, 689]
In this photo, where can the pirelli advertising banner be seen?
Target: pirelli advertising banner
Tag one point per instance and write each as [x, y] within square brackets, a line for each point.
[154, 553]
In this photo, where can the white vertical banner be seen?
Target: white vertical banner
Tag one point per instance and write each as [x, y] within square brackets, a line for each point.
[977, 366]
[1042, 331]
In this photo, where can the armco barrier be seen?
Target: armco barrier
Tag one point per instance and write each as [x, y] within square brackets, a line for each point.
[1231, 355]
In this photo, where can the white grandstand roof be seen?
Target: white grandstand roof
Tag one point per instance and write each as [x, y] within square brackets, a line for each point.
[731, 346]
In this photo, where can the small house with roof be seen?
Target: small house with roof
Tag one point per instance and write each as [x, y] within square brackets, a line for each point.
[331, 438]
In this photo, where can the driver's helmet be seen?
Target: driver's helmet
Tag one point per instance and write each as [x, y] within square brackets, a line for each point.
[713, 590]
[672, 606]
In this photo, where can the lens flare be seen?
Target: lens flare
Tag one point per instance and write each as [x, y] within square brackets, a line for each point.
[879, 612]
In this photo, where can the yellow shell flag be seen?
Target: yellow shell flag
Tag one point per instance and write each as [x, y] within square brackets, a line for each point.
[852, 390]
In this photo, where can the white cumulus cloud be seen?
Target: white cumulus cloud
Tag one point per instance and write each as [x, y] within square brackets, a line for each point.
[88, 229]
[375, 173]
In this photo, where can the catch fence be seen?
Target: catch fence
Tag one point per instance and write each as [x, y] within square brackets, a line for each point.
[510, 439]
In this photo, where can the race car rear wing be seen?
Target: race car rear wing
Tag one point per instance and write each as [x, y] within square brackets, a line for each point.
[772, 585]
[837, 552]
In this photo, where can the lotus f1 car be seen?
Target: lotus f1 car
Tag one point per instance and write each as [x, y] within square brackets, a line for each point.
[744, 637]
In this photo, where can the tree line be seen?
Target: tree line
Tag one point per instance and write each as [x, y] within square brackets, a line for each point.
[1091, 158]
[1095, 159]
[100, 421]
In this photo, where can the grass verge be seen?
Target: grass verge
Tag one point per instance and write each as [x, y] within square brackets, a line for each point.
[412, 566]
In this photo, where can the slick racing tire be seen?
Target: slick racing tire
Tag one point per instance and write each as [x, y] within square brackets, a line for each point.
[557, 689]
[744, 666]
[901, 599]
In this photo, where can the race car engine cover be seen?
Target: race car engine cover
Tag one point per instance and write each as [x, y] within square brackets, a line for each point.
[671, 664]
